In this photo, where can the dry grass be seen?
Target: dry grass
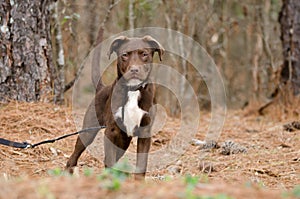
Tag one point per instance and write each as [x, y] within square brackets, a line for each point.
[34, 122]
[270, 166]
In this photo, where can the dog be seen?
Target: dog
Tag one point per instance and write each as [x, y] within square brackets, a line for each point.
[124, 106]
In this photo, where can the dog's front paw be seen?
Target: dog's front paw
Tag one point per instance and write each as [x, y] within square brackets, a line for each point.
[72, 171]
[69, 169]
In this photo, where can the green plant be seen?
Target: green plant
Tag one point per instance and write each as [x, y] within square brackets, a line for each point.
[168, 178]
[88, 171]
[55, 172]
[72, 17]
[295, 192]
[44, 192]
[191, 183]
[112, 178]
[122, 169]
[109, 180]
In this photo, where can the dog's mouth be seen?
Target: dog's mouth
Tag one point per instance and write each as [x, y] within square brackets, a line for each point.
[134, 81]
[134, 76]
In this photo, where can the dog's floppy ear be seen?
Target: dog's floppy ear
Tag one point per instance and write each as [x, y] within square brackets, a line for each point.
[155, 45]
[115, 45]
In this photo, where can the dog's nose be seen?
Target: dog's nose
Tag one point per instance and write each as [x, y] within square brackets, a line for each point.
[134, 70]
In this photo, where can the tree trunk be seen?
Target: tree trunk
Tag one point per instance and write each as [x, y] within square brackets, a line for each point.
[131, 16]
[25, 50]
[290, 36]
[59, 72]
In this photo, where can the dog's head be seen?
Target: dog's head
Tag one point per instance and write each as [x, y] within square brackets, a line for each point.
[135, 56]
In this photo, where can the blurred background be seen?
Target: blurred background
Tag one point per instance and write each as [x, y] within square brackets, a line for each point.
[242, 37]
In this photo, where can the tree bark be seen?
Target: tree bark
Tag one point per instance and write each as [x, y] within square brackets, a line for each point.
[59, 76]
[25, 50]
[290, 36]
[131, 16]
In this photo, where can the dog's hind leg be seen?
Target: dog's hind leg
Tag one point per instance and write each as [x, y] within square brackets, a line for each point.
[85, 139]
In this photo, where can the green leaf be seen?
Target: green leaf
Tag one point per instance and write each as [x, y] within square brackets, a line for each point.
[55, 172]
[88, 171]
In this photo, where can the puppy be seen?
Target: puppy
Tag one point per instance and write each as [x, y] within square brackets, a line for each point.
[123, 107]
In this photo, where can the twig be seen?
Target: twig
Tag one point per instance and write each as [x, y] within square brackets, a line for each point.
[131, 16]
[98, 40]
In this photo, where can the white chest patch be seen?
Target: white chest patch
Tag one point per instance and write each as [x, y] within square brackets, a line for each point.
[133, 114]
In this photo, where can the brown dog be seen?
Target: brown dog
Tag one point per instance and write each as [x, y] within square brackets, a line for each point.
[123, 107]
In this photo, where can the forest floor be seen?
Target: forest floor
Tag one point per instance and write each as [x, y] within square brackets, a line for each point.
[267, 167]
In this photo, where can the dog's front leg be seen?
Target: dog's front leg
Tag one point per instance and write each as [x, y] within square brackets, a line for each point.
[110, 148]
[143, 144]
[143, 147]
[116, 143]
[90, 120]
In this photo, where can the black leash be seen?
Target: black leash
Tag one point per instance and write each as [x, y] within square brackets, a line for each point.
[25, 145]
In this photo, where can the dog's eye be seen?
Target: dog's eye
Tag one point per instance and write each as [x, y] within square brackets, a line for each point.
[145, 54]
[124, 54]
